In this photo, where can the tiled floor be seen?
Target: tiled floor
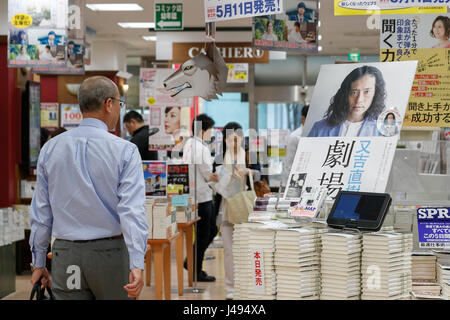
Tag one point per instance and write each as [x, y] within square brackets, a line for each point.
[212, 290]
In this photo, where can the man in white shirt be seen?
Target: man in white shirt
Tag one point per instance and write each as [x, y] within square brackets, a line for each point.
[46, 55]
[291, 148]
[197, 154]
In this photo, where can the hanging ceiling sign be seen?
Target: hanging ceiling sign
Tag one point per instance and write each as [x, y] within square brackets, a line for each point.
[358, 7]
[232, 52]
[168, 16]
[220, 10]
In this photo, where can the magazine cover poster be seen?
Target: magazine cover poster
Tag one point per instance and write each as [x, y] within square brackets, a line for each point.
[425, 38]
[342, 163]
[155, 175]
[295, 29]
[172, 127]
[360, 100]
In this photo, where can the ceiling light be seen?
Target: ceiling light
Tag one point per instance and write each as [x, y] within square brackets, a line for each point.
[115, 7]
[137, 25]
[149, 38]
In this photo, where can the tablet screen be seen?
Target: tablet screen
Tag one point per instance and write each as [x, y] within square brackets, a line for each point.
[359, 207]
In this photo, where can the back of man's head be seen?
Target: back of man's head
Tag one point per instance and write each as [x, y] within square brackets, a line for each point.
[94, 91]
[203, 122]
[133, 115]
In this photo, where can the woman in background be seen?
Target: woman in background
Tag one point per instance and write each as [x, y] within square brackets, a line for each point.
[233, 158]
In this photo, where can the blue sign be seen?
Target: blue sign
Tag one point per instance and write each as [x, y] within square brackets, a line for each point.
[434, 227]
[180, 200]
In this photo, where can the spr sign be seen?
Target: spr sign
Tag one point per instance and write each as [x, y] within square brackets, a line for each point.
[434, 227]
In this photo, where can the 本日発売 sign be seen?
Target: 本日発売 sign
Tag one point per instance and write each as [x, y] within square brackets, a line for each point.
[434, 227]
[168, 16]
[361, 7]
[259, 283]
[219, 10]
[417, 37]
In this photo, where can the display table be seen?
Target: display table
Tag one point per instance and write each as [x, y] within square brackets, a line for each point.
[160, 249]
[186, 231]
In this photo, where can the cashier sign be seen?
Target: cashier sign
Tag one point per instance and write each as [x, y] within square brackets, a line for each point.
[434, 227]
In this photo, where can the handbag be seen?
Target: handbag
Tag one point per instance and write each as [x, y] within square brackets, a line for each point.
[240, 205]
[39, 292]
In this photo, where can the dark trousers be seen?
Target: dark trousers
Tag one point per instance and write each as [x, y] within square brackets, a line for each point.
[205, 232]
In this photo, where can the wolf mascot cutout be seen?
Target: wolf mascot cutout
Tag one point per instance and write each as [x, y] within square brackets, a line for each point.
[203, 76]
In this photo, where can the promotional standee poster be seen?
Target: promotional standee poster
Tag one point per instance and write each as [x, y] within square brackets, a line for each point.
[155, 175]
[295, 29]
[172, 124]
[49, 115]
[151, 92]
[434, 227]
[220, 10]
[177, 179]
[359, 7]
[71, 116]
[46, 35]
[425, 38]
[353, 125]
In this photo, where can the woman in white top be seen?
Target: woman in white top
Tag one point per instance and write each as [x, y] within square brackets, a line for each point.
[269, 35]
[232, 158]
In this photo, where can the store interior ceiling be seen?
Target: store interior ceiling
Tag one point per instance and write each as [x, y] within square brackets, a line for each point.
[340, 34]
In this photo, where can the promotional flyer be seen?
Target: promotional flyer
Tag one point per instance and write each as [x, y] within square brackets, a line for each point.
[434, 227]
[425, 38]
[294, 29]
[358, 7]
[155, 175]
[151, 92]
[71, 116]
[172, 124]
[177, 179]
[49, 115]
[219, 10]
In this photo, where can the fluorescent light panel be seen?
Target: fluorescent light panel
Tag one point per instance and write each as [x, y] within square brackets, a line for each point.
[137, 25]
[149, 38]
[114, 7]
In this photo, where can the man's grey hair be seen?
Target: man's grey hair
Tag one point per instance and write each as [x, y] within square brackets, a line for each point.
[94, 91]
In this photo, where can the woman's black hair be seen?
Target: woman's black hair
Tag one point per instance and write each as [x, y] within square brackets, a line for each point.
[339, 109]
[446, 21]
[386, 118]
[168, 109]
[230, 127]
[45, 134]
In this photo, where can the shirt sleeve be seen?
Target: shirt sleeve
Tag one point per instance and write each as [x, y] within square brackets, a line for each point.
[131, 208]
[41, 216]
[204, 162]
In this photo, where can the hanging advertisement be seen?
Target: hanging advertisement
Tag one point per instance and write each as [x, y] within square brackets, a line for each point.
[237, 73]
[49, 115]
[75, 48]
[172, 125]
[35, 122]
[37, 32]
[155, 175]
[294, 29]
[177, 179]
[151, 92]
[364, 100]
[71, 116]
[358, 7]
[353, 124]
[220, 10]
[425, 38]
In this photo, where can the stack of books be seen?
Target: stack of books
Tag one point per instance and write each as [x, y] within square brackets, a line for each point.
[386, 266]
[242, 263]
[442, 257]
[443, 274]
[423, 267]
[297, 263]
[446, 290]
[262, 240]
[340, 266]
[164, 221]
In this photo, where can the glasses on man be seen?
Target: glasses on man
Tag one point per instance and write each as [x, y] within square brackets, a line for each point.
[122, 103]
